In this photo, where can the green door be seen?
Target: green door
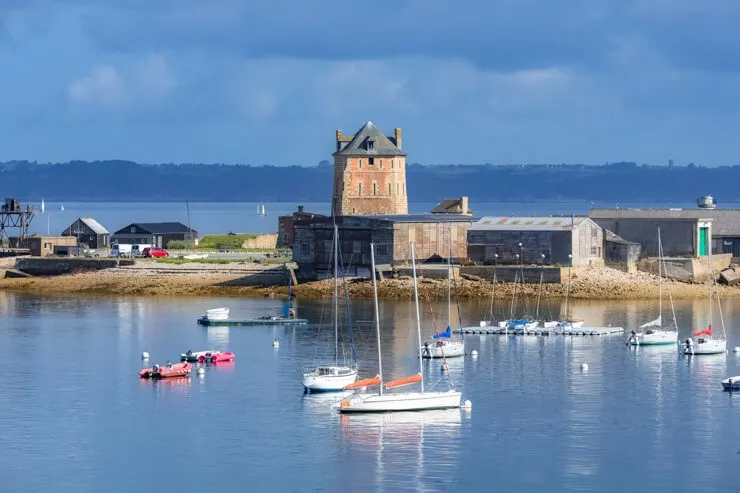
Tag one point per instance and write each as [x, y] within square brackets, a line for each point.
[703, 233]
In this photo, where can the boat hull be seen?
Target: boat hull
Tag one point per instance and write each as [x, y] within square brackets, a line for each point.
[396, 402]
[655, 338]
[709, 346]
[732, 383]
[317, 381]
[277, 321]
[448, 349]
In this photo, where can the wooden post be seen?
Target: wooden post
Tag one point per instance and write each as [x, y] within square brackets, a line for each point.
[292, 267]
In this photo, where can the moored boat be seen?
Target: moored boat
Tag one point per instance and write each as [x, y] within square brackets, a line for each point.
[217, 314]
[192, 356]
[420, 400]
[167, 371]
[732, 383]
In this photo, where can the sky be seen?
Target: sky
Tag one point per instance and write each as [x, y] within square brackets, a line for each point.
[468, 81]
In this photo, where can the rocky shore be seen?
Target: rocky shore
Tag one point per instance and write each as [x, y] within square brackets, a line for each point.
[212, 280]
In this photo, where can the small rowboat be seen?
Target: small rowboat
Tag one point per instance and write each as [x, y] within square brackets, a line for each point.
[194, 356]
[167, 371]
[216, 357]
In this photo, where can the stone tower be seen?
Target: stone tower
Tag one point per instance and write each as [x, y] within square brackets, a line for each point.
[369, 173]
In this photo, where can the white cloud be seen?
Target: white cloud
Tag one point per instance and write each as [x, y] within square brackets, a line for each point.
[108, 86]
[104, 86]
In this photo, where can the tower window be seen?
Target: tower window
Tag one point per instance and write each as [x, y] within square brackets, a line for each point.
[375, 188]
[381, 164]
[393, 161]
[389, 189]
[370, 145]
[359, 189]
[359, 163]
[371, 161]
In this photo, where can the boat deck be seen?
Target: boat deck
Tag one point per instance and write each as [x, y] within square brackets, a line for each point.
[255, 321]
[541, 331]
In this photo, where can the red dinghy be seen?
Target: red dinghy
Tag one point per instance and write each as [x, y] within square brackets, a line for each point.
[167, 371]
[216, 357]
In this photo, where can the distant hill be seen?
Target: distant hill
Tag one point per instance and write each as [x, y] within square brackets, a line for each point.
[124, 181]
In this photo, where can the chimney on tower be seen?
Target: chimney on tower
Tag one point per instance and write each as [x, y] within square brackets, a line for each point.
[397, 136]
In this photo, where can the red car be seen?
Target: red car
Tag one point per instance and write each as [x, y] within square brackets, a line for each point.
[155, 253]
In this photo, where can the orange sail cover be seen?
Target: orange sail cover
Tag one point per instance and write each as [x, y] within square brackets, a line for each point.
[365, 382]
[404, 381]
[707, 332]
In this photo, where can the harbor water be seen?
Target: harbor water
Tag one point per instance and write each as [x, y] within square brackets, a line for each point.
[74, 415]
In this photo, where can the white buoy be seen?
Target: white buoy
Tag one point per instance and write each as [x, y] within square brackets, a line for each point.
[467, 405]
[474, 353]
[200, 370]
[736, 350]
[584, 366]
[275, 344]
[144, 355]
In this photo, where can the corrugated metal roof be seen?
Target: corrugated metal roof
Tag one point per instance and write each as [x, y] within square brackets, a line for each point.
[528, 223]
[725, 222]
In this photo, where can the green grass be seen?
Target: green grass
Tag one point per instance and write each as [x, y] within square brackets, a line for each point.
[224, 241]
[198, 260]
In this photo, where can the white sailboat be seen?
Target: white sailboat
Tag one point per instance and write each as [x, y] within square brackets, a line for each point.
[702, 341]
[331, 378]
[569, 323]
[441, 345]
[396, 401]
[261, 210]
[652, 333]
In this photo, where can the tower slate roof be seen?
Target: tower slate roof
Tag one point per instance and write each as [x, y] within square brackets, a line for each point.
[370, 141]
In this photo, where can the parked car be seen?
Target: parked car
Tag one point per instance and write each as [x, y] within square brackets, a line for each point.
[155, 253]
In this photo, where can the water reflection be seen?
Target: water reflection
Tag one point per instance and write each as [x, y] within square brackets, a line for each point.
[218, 336]
[411, 450]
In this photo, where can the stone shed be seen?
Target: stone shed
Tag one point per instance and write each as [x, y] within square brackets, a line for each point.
[432, 235]
[683, 232]
[534, 240]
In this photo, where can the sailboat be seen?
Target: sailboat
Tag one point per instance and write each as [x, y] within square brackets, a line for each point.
[569, 323]
[61, 207]
[332, 378]
[261, 210]
[419, 400]
[702, 341]
[652, 333]
[441, 345]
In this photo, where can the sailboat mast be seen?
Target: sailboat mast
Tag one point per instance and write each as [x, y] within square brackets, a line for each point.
[377, 317]
[539, 294]
[449, 274]
[336, 297]
[660, 280]
[709, 271]
[418, 317]
[567, 289]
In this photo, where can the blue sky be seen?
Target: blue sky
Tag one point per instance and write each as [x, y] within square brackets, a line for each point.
[268, 81]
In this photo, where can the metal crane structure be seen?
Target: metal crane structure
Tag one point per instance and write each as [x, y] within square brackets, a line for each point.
[15, 217]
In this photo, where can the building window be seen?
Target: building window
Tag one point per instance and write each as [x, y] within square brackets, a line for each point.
[382, 250]
[359, 189]
[393, 162]
[133, 229]
[304, 248]
[595, 251]
[375, 188]
[371, 161]
[359, 163]
[47, 246]
[381, 164]
[594, 233]
[370, 145]
[389, 189]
